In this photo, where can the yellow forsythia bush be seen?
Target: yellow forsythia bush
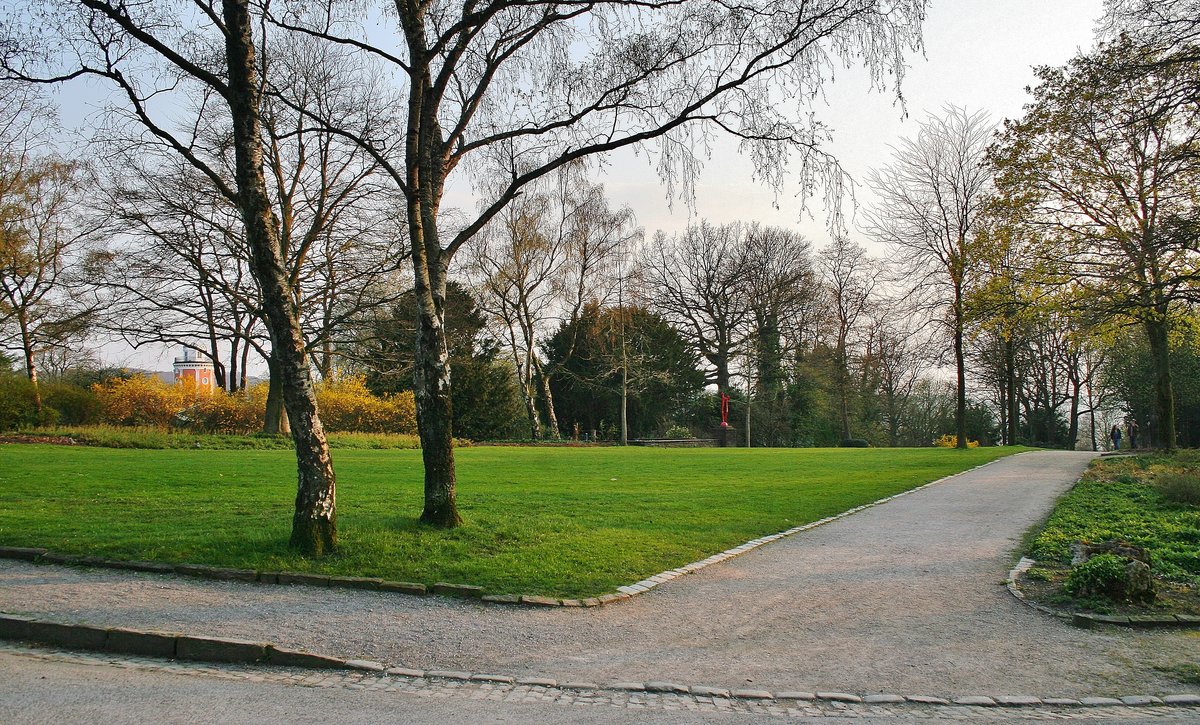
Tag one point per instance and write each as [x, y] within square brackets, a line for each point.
[950, 441]
[223, 412]
[347, 405]
[142, 400]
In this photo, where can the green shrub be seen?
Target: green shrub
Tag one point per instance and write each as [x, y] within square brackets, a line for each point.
[854, 443]
[75, 405]
[18, 407]
[677, 432]
[1039, 575]
[1103, 573]
[1182, 487]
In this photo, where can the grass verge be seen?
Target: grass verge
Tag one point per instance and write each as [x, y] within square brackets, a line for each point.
[555, 521]
[1132, 499]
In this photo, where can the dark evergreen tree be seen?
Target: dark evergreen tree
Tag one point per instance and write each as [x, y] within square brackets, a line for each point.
[486, 402]
[661, 373]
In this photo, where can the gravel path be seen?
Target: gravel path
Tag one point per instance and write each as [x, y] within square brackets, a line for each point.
[906, 597]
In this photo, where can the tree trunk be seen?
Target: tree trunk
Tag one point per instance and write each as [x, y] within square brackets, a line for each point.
[314, 529]
[748, 416]
[1076, 394]
[535, 421]
[425, 175]
[243, 381]
[721, 362]
[893, 423]
[326, 366]
[435, 413]
[624, 397]
[232, 385]
[548, 397]
[1014, 412]
[960, 412]
[1164, 396]
[214, 354]
[30, 368]
[274, 418]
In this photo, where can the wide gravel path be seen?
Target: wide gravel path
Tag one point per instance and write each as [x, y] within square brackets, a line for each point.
[906, 597]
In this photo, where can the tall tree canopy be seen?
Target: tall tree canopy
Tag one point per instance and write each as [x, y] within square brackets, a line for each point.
[1106, 167]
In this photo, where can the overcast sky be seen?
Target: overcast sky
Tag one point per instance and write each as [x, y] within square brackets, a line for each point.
[979, 55]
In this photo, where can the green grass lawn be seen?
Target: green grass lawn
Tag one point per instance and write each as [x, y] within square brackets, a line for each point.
[555, 521]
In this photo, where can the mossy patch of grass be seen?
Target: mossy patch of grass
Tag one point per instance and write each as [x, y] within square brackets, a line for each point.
[1187, 673]
[1124, 499]
[1117, 500]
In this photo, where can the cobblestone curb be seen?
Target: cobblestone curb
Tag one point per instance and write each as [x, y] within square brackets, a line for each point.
[535, 690]
[176, 646]
[1088, 621]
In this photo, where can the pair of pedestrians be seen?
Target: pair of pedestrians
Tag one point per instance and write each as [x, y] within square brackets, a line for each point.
[1115, 434]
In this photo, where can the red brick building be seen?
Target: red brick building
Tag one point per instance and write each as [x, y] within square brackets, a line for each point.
[191, 367]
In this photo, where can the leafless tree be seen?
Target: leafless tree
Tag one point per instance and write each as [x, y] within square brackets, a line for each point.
[175, 269]
[553, 250]
[40, 235]
[697, 282]
[895, 353]
[850, 278]
[928, 203]
[779, 285]
[516, 259]
[529, 87]
[152, 53]
[1163, 24]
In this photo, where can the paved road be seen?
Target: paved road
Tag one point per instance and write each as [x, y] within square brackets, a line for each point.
[904, 598]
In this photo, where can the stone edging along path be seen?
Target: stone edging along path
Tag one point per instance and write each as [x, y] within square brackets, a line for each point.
[171, 645]
[44, 556]
[1087, 621]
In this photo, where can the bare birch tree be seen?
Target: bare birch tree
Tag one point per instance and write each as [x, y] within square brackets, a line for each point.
[529, 87]
[850, 278]
[927, 208]
[151, 53]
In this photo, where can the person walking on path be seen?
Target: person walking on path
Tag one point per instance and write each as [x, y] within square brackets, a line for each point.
[1133, 431]
[1115, 433]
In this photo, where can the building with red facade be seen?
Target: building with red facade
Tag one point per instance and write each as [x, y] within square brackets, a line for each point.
[191, 367]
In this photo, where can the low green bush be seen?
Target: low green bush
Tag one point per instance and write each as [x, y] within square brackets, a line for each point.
[18, 406]
[854, 443]
[1037, 574]
[75, 405]
[677, 432]
[1101, 574]
[1183, 487]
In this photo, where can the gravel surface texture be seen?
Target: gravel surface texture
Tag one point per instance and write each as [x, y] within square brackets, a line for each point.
[907, 597]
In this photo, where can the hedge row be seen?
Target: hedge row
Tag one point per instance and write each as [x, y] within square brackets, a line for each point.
[345, 405]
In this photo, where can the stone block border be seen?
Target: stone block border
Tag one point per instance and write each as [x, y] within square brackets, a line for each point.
[172, 645]
[1089, 621]
[465, 591]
